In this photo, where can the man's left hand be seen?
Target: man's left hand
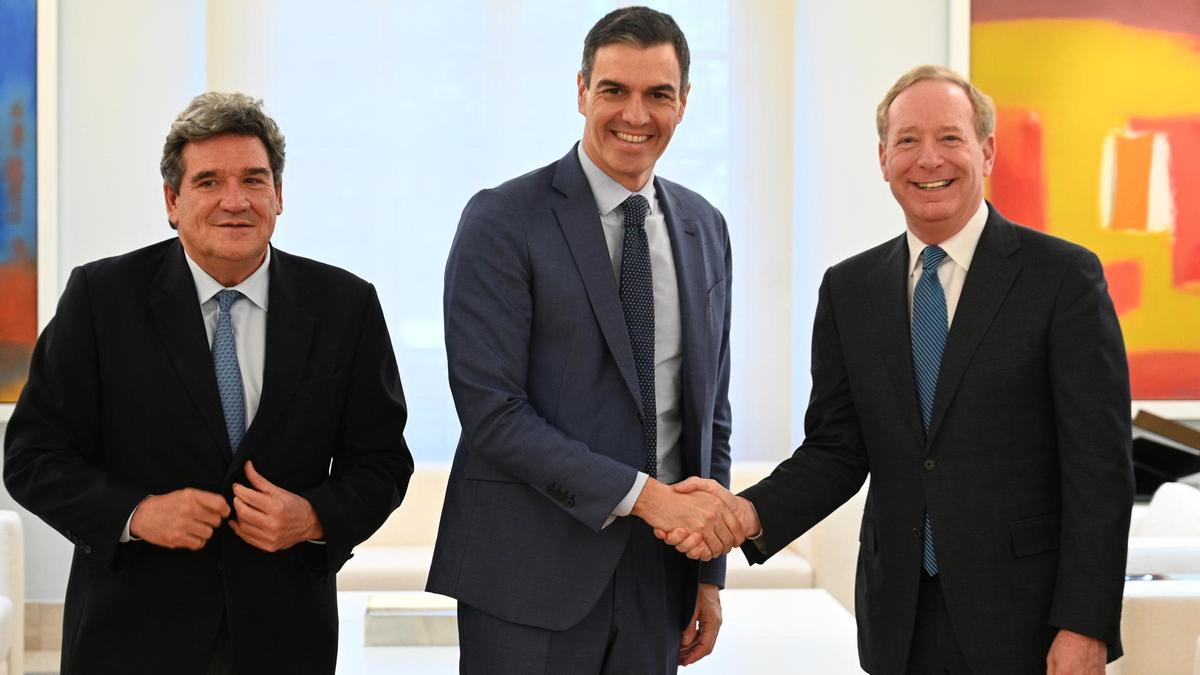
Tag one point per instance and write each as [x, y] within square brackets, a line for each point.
[700, 635]
[1076, 654]
[271, 518]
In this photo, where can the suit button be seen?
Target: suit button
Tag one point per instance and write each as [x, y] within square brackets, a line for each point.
[87, 550]
[930, 465]
[916, 532]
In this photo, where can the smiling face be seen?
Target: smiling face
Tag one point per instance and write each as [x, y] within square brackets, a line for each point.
[933, 159]
[226, 207]
[631, 106]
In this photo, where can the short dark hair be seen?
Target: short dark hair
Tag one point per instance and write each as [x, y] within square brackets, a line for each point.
[641, 27]
[212, 114]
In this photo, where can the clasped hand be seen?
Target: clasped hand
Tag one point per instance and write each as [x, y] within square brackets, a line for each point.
[698, 516]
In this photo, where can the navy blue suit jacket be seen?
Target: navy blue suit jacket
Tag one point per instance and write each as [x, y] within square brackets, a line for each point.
[546, 390]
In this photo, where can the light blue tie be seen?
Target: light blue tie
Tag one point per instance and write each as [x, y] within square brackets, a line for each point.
[928, 342]
[229, 375]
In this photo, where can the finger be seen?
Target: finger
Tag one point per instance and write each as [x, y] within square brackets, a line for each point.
[728, 541]
[674, 537]
[691, 484]
[210, 501]
[701, 552]
[251, 536]
[661, 534]
[247, 514]
[256, 479]
[690, 542]
[256, 500]
[689, 631]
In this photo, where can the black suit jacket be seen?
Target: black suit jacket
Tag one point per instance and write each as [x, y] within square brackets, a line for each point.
[1025, 470]
[122, 402]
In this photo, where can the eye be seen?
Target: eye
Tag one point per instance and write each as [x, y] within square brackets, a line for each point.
[206, 183]
[951, 138]
[662, 96]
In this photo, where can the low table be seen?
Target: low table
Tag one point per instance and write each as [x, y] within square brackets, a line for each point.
[800, 631]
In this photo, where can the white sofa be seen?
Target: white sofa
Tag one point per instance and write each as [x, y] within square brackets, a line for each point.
[397, 557]
[12, 595]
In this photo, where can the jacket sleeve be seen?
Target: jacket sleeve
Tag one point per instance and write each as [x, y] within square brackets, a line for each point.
[1089, 380]
[52, 439]
[371, 463]
[830, 465]
[713, 572]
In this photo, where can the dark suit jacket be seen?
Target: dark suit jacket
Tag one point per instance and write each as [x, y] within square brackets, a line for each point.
[122, 402]
[546, 389]
[1025, 471]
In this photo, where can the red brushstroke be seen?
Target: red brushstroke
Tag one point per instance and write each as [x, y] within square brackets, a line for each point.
[1018, 186]
[18, 303]
[1124, 284]
[1183, 138]
[1164, 375]
[14, 175]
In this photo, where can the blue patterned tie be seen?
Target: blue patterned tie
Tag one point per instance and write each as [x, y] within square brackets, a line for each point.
[637, 299]
[928, 342]
[229, 375]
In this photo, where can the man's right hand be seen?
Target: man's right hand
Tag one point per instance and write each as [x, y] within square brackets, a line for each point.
[698, 512]
[181, 519]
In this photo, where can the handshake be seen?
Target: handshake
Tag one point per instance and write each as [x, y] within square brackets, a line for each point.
[698, 516]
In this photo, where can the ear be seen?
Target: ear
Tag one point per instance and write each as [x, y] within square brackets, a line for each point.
[279, 198]
[989, 154]
[683, 98]
[883, 163]
[171, 200]
[582, 91]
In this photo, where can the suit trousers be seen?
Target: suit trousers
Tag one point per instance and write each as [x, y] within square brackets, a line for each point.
[935, 649]
[635, 627]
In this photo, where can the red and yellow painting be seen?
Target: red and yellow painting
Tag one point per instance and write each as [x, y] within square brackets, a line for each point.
[1098, 141]
[18, 193]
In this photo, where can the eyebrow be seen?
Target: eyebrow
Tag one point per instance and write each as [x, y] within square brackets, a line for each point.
[667, 87]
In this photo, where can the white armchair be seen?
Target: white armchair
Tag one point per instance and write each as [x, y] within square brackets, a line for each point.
[12, 595]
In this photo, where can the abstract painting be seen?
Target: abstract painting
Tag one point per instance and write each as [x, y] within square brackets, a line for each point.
[18, 193]
[1098, 141]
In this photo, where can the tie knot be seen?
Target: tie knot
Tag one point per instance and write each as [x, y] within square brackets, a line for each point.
[931, 257]
[226, 298]
[636, 207]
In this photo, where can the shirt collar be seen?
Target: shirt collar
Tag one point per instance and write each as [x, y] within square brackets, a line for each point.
[254, 287]
[609, 193]
[960, 248]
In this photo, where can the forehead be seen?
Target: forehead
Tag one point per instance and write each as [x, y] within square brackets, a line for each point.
[931, 104]
[630, 64]
[225, 152]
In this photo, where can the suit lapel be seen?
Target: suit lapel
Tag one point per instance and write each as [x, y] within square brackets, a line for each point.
[581, 227]
[992, 273]
[693, 308]
[889, 296]
[289, 337]
[176, 313]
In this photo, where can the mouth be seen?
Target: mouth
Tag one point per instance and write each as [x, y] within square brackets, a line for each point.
[631, 138]
[936, 185]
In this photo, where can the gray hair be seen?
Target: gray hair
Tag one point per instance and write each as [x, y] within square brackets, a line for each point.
[212, 114]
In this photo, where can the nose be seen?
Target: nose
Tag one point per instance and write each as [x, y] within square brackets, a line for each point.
[929, 158]
[234, 197]
[634, 113]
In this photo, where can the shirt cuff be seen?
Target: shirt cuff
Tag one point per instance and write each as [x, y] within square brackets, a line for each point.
[126, 537]
[625, 506]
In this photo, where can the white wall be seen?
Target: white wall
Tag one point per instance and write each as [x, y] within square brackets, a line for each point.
[127, 67]
[847, 56]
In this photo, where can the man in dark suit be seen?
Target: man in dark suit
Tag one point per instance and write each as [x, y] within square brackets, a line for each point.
[587, 335]
[204, 371]
[975, 369]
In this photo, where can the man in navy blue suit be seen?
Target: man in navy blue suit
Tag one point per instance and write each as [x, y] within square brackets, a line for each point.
[587, 336]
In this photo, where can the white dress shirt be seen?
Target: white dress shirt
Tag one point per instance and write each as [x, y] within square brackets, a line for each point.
[952, 271]
[249, 318]
[668, 331]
